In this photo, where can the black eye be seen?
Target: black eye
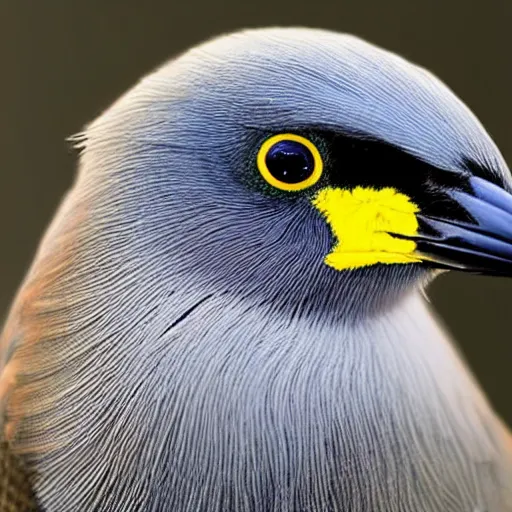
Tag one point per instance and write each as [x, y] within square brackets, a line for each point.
[289, 162]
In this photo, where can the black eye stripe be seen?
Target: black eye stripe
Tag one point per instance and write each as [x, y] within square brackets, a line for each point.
[350, 159]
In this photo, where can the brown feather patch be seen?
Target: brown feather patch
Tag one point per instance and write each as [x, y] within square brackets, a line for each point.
[29, 380]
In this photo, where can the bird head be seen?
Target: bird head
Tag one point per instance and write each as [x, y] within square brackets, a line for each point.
[299, 166]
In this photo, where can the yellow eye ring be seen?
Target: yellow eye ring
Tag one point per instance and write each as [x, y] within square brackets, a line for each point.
[292, 158]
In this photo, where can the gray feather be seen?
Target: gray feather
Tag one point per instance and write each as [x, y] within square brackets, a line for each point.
[197, 354]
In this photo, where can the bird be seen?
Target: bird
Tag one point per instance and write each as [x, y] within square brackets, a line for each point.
[228, 311]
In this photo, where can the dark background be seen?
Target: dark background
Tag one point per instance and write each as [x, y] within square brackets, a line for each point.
[63, 62]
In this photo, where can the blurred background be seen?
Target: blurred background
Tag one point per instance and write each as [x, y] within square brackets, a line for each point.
[63, 62]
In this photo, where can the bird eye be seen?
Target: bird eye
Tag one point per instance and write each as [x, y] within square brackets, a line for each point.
[289, 162]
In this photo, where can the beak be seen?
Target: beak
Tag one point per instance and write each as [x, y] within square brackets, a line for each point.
[483, 245]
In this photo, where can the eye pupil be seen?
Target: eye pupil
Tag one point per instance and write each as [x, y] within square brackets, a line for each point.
[290, 161]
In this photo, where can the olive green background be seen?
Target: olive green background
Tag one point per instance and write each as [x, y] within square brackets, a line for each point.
[63, 62]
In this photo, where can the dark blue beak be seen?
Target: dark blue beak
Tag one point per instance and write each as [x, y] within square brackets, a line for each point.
[482, 244]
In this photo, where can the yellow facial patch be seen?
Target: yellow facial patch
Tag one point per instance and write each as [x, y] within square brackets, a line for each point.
[361, 220]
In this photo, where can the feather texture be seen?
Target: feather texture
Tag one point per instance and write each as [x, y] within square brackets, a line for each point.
[179, 343]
